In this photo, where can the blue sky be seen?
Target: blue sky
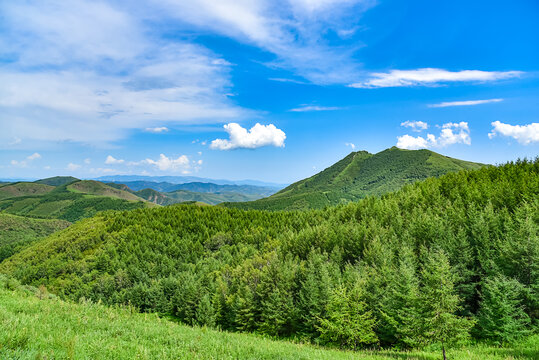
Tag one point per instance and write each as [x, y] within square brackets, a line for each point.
[259, 89]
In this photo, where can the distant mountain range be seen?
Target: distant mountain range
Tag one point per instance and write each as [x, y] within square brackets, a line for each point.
[358, 175]
[185, 179]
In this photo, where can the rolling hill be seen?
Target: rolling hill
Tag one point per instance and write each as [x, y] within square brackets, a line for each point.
[358, 175]
[57, 180]
[24, 189]
[71, 200]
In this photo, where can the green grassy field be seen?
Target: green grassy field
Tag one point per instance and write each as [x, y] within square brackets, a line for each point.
[35, 325]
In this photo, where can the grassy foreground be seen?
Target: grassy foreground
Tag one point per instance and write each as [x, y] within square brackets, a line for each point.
[44, 327]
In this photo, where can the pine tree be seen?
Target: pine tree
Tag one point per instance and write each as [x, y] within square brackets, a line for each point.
[348, 323]
[501, 316]
[439, 303]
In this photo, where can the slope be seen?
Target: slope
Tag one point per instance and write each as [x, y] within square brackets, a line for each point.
[241, 270]
[24, 189]
[38, 325]
[358, 175]
[17, 232]
[92, 187]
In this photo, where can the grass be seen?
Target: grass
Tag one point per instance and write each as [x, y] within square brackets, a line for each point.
[35, 325]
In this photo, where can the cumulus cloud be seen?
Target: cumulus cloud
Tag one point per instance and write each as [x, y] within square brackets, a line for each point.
[165, 163]
[73, 167]
[257, 136]
[157, 130]
[111, 160]
[314, 108]
[430, 77]
[524, 134]
[451, 133]
[34, 156]
[353, 146]
[464, 103]
[415, 125]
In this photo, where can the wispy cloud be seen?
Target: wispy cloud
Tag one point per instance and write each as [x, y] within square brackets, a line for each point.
[464, 103]
[430, 77]
[315, 108]
[295, 31]
[99, 72]
[451, 133]
[27, 161]
[524, 134]
[257, 136]
[352, 145]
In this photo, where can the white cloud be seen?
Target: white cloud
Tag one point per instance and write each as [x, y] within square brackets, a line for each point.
[73, 167]
[416, 126]
[524, 134]
[314, 108]
[353, 146]
[111, 160]
[100, 72]
[431, 77]
[157, 130]
[87, 161]
[257, 136]
[451, 133]
[165, 163]
[464, 103]
[25, 163]
[34, 156]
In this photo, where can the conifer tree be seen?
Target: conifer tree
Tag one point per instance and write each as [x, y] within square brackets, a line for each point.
[501, 317]
[439, 303]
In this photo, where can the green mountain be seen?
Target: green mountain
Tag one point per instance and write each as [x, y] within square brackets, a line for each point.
[57, 180]
[71, 201]
[439, 252]
[358, 175]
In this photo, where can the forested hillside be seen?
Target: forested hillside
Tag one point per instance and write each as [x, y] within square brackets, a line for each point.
[439, 261]
[17, 232]
[358, 175]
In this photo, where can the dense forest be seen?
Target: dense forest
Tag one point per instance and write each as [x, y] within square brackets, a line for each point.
[441, 261]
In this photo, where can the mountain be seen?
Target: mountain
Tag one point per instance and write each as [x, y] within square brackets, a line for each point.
[358, 175]
[57, 180]
[464, 236]
[184, 180]
[71, 201]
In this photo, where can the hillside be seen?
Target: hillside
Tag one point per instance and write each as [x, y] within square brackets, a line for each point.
[358, 175]
[92, 187]
[71, 201]
[466, 241]
[17, 232]
[57, 180]
[35, 322]
[23, 189]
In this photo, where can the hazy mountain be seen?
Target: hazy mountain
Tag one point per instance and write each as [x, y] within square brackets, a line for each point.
[184, 179]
